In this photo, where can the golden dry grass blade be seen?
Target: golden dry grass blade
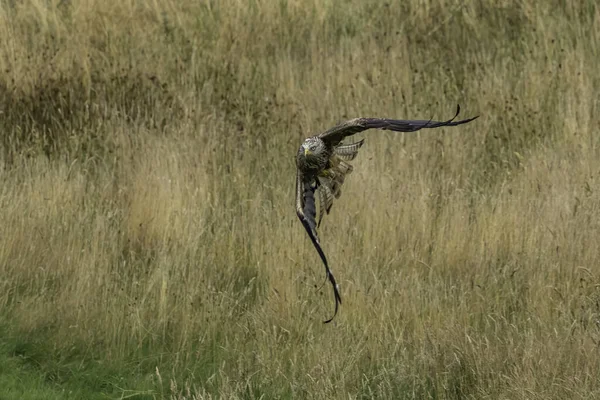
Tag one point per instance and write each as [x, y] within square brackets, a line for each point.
[146, 197]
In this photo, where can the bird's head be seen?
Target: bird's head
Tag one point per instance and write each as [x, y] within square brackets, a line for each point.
[310, 148]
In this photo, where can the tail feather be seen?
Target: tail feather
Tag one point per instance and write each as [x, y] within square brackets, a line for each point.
[339, 176]
[325, 198]
[345, 168]
[331, 182]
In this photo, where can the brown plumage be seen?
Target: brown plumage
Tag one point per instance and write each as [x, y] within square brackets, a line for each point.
[322, 165]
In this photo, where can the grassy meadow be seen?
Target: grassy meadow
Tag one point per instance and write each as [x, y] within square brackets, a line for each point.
[149, 247]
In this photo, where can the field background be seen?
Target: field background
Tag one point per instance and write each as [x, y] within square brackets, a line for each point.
[149, 246]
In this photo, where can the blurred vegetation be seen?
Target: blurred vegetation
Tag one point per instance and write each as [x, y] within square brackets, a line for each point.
[148, 243]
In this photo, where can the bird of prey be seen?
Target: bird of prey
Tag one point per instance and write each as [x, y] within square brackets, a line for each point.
[322, 165]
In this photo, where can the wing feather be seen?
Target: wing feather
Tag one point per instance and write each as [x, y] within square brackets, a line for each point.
[325, 198]
[329, 182]
[348, 151]
[306, 211]
[335, 135]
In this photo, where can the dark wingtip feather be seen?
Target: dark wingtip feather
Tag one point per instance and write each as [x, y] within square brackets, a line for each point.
[451, 121]
[464, 121]
[338, 298]
[307, 217]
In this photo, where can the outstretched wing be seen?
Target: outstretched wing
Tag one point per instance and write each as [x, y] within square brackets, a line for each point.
[306, 211]
[335, 135]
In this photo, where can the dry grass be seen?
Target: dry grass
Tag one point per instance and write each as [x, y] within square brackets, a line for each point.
[146, 197]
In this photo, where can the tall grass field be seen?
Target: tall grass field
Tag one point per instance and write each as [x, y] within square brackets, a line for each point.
[149, 246]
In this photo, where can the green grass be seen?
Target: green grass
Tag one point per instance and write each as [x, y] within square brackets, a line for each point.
[148, 242]
[22, 381]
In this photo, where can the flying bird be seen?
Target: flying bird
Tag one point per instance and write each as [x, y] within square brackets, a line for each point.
[322, 166]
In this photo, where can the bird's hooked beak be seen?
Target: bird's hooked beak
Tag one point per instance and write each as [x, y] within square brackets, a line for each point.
[307, 151]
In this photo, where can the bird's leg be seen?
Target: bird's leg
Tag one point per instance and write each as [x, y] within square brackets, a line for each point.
[326, 173]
